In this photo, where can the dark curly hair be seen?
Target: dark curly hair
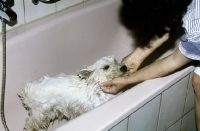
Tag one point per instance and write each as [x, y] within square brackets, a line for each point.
[148, 18]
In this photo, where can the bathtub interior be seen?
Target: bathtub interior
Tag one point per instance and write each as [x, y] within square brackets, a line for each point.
[63, 43]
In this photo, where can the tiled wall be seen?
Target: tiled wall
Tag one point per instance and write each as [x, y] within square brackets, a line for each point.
[172, 110]
[26, 11]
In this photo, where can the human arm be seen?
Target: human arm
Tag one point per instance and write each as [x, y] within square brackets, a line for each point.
[157, 69]
[134, 60]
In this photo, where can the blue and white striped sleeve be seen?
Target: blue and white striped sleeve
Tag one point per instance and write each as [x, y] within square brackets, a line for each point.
[190, 41]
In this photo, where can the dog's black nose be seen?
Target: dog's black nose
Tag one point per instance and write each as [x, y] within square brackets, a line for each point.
[123, 68]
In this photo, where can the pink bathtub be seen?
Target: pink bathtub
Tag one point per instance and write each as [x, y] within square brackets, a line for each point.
[67, 41]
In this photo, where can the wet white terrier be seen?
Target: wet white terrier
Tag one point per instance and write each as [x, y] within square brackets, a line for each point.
[68, 96]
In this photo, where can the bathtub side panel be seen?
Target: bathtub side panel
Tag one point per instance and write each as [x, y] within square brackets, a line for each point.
[176, 126]
[145, 117]
[172, 104]
[122, 126]
[190, 99]
[188, 121]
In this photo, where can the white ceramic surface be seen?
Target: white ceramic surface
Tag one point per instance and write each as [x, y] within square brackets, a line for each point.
[66, 42]
[188, 122]
[176, 126]
[172, 104]
[122, 126]
[146, 118]
[190, 99]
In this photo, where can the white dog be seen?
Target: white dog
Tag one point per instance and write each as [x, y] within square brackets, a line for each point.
[68, 96]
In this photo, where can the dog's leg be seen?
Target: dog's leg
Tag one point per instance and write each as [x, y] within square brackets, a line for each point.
[35, 125]
[37, 121]
[30, 125]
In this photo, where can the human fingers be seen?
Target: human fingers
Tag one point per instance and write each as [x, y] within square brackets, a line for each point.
[110, 89]
[106, 84]
[129, 72]
[131, 69]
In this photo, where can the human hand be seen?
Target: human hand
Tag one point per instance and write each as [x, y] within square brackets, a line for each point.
[132, 62]
[114, 86]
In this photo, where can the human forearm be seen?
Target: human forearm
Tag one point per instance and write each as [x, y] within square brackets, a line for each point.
[134, 60]
[153, 45]
[159, 68]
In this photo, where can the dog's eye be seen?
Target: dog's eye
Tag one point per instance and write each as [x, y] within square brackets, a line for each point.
[106, 67]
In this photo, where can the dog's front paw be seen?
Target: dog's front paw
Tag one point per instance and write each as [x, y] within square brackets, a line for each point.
[26, 129]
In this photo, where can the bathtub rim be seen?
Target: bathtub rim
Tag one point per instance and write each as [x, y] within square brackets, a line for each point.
[123, 105]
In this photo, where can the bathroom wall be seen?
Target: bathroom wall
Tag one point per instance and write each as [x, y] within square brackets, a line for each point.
[172, 110]
[28, 12]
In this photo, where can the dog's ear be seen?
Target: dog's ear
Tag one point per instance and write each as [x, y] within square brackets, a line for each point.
[85, 73]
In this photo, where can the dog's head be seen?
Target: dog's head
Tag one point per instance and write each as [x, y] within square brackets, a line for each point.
[104, 69]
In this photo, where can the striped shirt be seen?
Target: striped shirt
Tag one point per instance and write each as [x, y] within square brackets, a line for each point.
[190, 41]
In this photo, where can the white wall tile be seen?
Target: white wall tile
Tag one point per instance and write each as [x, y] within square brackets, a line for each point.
[26, 11]
[188, 122]
[33, 12]
[66, 3]
[190, 100]
[172, 104]
[175, 127]
[146, 117]
[122, 126]
[18, 8]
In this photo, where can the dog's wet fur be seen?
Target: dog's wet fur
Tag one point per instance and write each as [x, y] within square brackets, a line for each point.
[68, 96]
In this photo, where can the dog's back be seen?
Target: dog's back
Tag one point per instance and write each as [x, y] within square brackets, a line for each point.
[51, 89]
[68, 96]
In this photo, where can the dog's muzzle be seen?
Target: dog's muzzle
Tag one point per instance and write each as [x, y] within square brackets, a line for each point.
[123, 69]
